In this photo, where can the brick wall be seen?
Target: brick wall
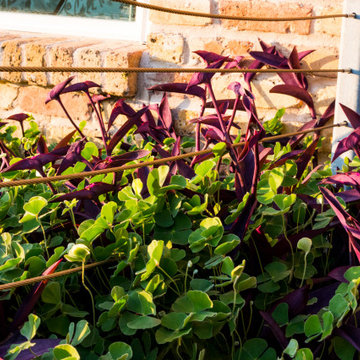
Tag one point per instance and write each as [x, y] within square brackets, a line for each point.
[170, 43]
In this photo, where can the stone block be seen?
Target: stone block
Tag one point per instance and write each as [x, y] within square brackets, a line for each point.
[61, 55]
[266, 9]
[122, 84]
[166, 47]
[329, 26]
[8, 94]
[163, 18]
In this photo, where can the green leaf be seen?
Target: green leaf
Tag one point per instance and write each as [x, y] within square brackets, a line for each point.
[343, 349]
[253, 349]
[276, 177]
[328, 319]
[108, 211]
[304, 354]
[89, 150]
[163, 335]
[120, 350]
[201, 285]
[66, 351]
[81, 332]
[284, 201]
[164, 218]
[338, 306]
[193, 301]
[52, 293]
[202, 170]
[35, 205]
[175, 320]
[141, 302]
[353, 273]
[281, 314]
[292, 348]
[304, 244]
[312, 326]
[277, 270]
[144, 322]
[219, 149]
[78, 252]
[30, 327]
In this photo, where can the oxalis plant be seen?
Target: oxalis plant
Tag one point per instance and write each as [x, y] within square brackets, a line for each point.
[248, 252]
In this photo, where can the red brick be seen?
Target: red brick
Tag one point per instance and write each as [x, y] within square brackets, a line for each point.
[266, 9]
[32, 99]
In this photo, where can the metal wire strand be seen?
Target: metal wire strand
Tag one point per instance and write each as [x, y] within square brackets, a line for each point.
[84, 174]
[40, 278]
[231, 17]
[161, 70]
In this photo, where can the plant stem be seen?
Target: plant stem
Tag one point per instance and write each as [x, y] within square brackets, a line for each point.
[101, 123]
[69, 117]
[44, 235]
[171, 279]
[89, 291]
[291, 248]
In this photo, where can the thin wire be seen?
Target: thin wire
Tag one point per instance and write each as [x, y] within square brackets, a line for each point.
[84, 174]
[51, 276]
[231, 17]
[160, 70]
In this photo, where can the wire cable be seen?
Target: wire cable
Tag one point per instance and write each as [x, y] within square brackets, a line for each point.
[40, 278]
[162, 161]
[231, 17]
[161, 70]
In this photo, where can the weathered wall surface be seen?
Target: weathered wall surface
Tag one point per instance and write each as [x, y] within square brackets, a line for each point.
[170, 43]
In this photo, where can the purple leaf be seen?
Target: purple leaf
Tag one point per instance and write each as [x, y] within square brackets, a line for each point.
[204, 78]
[120, 108]
[19, 117]
[237, 88]
[58, 89]
[305, 53]
[64, 141]
[352, 116]
[41, 347]
[41, 146]
[351, 334]
[338, 273]
[210, 57]
[73, 155]
[234, 63]
[98, 98]
[267, 58]
[296, 300]
[134, 119]
[181, 89]
[328, 114]
[291, 155]
[350, 179]
[349, 143]
[298, 93]
[165, 113]
[304, 160]
[34, 163]
[81, 86]
[120, 160]
[350, 224]
[29, 303]
[229, 102]
[90, 192]
[275, 328]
